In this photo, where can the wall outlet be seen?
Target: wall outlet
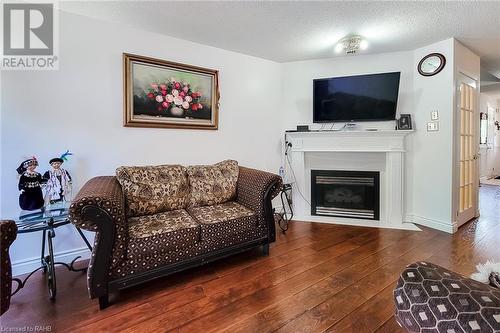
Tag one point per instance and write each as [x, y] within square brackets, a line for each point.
[434, 115]
[432, 126]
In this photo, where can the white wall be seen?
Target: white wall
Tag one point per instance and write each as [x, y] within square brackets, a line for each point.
[297, 80]
[490, 152]
[431, 156]
[79, 107]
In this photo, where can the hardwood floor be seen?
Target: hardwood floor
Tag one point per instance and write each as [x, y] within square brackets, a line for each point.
[317, 278]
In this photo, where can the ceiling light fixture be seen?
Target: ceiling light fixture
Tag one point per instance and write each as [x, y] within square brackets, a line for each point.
[351, 44]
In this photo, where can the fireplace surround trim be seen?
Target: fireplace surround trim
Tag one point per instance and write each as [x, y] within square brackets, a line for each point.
[388, 144]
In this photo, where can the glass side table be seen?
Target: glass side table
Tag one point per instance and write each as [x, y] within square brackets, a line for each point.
[46, 221]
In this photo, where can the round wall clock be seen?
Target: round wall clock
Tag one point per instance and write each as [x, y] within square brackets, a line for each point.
[431, 64]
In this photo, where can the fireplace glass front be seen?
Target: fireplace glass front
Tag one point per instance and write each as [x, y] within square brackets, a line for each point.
[350, 194]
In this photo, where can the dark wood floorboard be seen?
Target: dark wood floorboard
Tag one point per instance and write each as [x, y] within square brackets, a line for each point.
[317, 278]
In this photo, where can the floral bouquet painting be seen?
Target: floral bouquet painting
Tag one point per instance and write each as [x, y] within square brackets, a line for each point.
[175, 98]
[159, 93]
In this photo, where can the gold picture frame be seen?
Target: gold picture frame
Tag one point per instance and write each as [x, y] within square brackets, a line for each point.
[164, 94]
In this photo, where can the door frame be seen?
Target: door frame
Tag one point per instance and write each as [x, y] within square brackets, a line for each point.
[470, 80]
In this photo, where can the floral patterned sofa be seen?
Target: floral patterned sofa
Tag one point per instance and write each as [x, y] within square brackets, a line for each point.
[157, 220]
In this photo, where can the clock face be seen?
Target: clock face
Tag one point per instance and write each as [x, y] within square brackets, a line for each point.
[431, 64]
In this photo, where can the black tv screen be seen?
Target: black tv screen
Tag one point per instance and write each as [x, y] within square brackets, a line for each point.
[370, 97]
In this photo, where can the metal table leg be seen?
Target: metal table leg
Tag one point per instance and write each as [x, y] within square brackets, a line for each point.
[84, 238]
[71, 265]
[49, 259]
[42, 255]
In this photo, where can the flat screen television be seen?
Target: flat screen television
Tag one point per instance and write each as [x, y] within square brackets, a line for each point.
[371, 97]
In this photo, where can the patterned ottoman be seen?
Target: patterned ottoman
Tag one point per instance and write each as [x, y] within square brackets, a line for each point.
[430, 298]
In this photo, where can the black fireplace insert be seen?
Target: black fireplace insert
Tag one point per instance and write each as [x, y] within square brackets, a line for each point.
[350, 194]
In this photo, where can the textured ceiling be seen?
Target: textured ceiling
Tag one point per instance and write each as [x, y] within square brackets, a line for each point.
[290, 31]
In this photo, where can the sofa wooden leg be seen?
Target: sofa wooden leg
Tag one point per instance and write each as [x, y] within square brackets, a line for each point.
[265, 249]
[103, 302]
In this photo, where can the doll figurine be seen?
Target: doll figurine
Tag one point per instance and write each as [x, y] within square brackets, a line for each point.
[58, 181]
[30, 185]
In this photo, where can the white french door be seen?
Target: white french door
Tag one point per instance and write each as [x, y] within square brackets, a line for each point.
[468, 147]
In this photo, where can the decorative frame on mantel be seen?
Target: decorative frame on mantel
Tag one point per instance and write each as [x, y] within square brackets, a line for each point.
[165, 94]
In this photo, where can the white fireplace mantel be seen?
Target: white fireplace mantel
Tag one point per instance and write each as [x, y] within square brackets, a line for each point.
[350, 150]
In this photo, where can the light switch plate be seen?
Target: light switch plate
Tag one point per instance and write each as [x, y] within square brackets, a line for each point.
[432, 126]
[434, 115]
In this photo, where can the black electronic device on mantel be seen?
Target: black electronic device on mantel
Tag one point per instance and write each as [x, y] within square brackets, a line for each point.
[302, 128]
[370, 97]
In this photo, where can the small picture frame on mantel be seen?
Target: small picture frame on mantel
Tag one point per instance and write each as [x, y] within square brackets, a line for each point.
[404, 122]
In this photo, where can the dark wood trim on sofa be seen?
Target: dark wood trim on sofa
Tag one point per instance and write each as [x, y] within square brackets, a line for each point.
[268, 211]
[101, 254]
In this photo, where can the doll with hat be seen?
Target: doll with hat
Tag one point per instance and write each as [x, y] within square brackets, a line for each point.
[59, 185]
[30, 185]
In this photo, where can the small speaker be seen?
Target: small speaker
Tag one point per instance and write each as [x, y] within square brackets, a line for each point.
[302, 128]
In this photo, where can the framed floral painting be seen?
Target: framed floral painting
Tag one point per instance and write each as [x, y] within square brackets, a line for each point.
[161, 93]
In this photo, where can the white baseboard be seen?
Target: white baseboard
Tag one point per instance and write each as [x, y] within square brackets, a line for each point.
[356, 222]
[29, 265]
[432, 223]
[409, 218]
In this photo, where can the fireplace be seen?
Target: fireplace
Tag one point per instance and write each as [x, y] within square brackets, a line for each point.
[350, 194]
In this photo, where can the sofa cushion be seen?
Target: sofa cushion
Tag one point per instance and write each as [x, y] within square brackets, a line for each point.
[224, 221]
[153, 189]
[227, 211]
[155, 235]
[161, 223]
[212, 184]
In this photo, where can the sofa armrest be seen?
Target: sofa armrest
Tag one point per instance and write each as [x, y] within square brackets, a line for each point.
[8, 230]
[101, 192]
[99, 206]
[8, 233]
[255, 190]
